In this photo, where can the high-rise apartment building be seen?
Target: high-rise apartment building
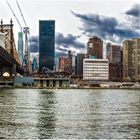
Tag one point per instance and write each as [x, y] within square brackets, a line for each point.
[46, 44]
[115, 65]
[113, 53]
[79, 64]
[131, 60]
[65, 63]
[95, 47]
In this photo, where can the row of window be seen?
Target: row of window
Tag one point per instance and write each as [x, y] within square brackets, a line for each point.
[95, 68]
[104, 64]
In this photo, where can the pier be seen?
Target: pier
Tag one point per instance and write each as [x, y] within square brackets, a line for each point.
[42, 82]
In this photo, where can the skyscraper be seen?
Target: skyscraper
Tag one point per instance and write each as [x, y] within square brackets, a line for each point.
[20, 46]
[95, 47]
[79, 64]
[34, 64]
[46, 44]
[115, 64]
[131, 60]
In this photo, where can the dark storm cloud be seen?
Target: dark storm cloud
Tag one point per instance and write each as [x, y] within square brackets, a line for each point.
[34, 44]
[104, 27]
[67, 41]
[60, 53]
[63, 44]
[134, 11]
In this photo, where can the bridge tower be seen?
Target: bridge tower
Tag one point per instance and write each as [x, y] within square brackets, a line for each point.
[10, 47]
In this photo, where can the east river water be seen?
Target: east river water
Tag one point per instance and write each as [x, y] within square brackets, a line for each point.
[69, 114]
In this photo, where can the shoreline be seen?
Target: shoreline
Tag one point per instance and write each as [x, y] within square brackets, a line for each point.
[97, 88]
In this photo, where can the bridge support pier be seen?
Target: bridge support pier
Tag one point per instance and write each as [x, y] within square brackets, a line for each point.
[10, 69]
[57, 84]
[51, 83]
[13, 69]
[44, 83]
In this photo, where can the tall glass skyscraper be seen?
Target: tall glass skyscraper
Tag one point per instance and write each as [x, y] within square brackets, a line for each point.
[46, 44]
[20, 46]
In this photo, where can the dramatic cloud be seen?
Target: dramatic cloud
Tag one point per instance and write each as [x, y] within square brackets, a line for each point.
[67, 42]
[134, 11]
[34, 44]
[62, 44]
[132, 17]
[108, 28]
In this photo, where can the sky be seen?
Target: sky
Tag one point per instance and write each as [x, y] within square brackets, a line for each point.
[76, 21]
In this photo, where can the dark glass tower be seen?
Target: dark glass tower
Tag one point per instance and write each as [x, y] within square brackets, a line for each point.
[46, 44]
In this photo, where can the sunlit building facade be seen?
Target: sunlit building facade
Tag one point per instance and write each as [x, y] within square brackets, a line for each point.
[65, 63]
[131, 60]
[95, 69]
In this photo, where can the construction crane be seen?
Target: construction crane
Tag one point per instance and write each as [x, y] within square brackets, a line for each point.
[27, 33]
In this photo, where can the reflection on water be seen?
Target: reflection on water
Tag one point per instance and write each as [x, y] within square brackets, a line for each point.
[33, 113]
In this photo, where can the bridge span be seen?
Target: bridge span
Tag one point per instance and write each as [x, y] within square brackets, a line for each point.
[9, 60]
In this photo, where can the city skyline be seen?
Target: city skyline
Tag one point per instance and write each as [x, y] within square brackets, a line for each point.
[76, 24]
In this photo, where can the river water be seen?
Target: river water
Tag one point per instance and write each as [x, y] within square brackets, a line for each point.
[69, 114]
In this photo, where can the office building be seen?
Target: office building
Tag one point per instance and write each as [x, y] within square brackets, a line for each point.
[131, 60]
[65, 63]
[95, 47]
[95, 69]
[79, 65]
[46, 44]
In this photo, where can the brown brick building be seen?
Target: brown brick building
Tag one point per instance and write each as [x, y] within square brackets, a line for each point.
[65, 63]
[95, 47]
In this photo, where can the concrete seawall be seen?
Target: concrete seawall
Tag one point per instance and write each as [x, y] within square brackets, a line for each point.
[42, 82]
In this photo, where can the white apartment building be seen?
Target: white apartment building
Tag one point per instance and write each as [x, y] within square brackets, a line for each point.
[95, 69]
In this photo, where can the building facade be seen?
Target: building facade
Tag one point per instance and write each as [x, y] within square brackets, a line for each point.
[79, 65]
[65, 63]
[20, 46]
[2, 40]
[113, 53]
[114, 57]
[95, 69]
[34, 65]
[131, 60]
[95, 47]
[46, 44]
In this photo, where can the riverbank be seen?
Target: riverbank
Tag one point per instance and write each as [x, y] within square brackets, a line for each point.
[32, 87]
